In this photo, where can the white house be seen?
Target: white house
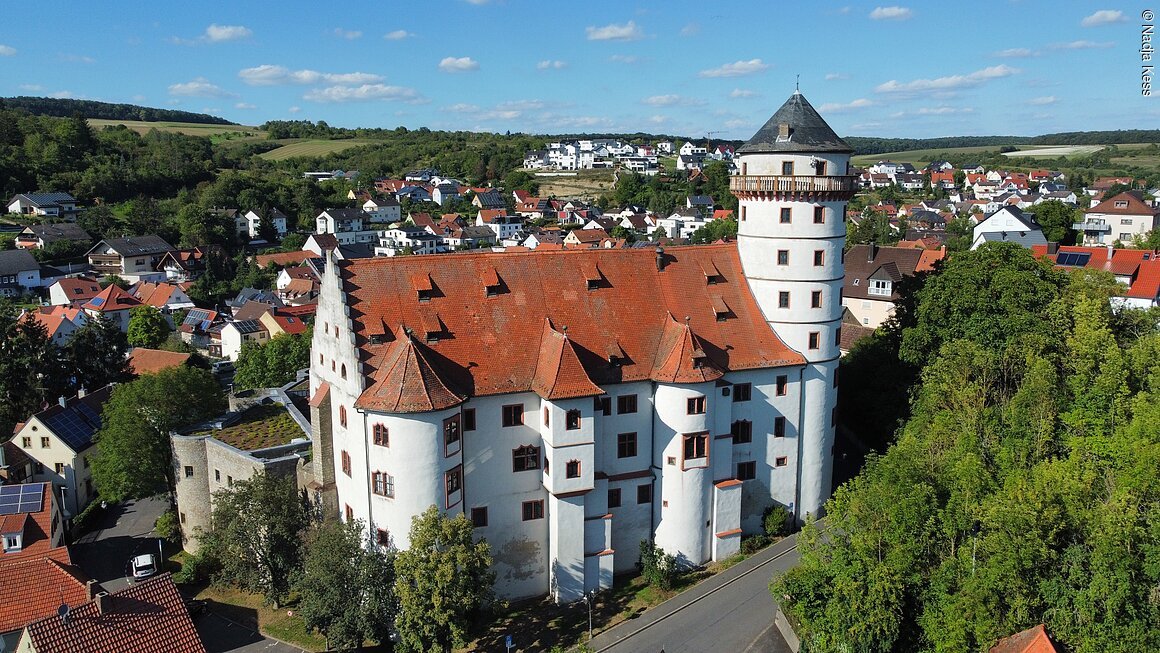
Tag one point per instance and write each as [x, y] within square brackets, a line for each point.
[1008, 224]
[235, 334]
[19, 273]
[383, 209]
[1122, 218]
[254, 222]
[50, 205]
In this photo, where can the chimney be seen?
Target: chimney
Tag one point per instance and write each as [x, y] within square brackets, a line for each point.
[63, 401]
[104, 602]
[871, 252]
[1053, 248]
[660, 259]
[92, 588]
[81, 392]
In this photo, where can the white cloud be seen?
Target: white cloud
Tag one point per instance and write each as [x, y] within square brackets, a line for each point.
[7, 50]
[737, 123]
[626, 32]
[199, 87]
[736, 69]
[658, 120]
[61, 94]
[349, 35]
[477, 2]
[1042, 101]
[671, 101]
[219, 33]
[31, 88]
[1104, 17]
[943, 111]
[521, 105]
[458, 64]
[1081, 45]
[836, 76]
[624, 58]
[950, 82]
[742, 93]
[1014, 53]
[551, 65]
[692, 29]
[839, 107]
[294, 109]
[269, 75]
[891, 13]
[363, 93]
[245, 105]
[397, 35]
[462, 107]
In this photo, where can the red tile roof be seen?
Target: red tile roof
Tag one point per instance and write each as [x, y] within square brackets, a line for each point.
[80, 288]
[1146, 285]
[408, 381]
[929, 258]
[147, 616]
[1124, 261]
[1032, 640]
[151, 361]
[681, 357]
[1134, 206]
[320, 395]
[283, 259]
[38, 527]
[621, 328]
[589, 236]
[559, 373]
[112, 298]
[154, 294]
[33, 586]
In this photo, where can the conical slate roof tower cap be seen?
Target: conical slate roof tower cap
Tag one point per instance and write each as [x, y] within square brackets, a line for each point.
[795, 127]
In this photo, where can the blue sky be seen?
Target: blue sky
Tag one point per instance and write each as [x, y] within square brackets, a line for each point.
[688, 68]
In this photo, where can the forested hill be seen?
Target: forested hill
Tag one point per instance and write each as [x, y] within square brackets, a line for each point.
[63, 107]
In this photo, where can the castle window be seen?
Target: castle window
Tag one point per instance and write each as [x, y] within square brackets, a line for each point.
[533, 510]
[834, 416]
[381, 437]
[625, 404]
[742, 392]
[454, 483]
[525, 458]
[743, 210]
[188, 471]
[614, 497]
[782, 384]
[602, 405]
[349, 513]
[217, 475]
[783, 299]
[814, 340]
[342, 416]
[468, 415]
[321, 359]
[625, 445]
[343, 373]
[838, 336]
[783, 257]
[513, 415]
[816, 299]
[644, 493]
[346, 463]
[572, 469]
[820, 168]
[382, 536]
[785, 215]
[787, 167]
[781, 461]
[695, 449]
[746, 471]
[742, 431]
[819, 214]
[819, 257]
[479, 517]
[451, 435]
[696, 405]
[383, 484]
[779, 427]
[547, 417]
[572, 420]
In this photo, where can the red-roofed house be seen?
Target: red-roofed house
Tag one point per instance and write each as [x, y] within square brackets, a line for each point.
[723, 214]
[1122, 218]
[73, 291]
[166, 297]
[60, 324]
[1032, 640]
[113, 304]
[1136, 268]
[33, 586]
[150, 361]
[585, 237]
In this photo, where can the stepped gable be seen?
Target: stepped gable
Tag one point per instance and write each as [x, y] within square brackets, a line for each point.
[616, 304]
[681, 357]
[408, 381]
[559, 373]
[808, 131]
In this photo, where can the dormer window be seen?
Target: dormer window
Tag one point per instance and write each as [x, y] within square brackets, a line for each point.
[881, 287]
[1121, 204]
[492, 284]
[592, 276]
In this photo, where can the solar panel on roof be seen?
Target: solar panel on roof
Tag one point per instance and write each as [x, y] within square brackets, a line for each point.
[16, 499]
[97, 301]
[1073, 258]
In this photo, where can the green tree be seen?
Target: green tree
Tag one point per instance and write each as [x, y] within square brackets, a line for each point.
[32, 368]
[1056, 219]
[347, 590]
[95, 354]
[273, 363]
[256, 541]
[134, 458]
[147, 327]
[443, 580]
[293, 242]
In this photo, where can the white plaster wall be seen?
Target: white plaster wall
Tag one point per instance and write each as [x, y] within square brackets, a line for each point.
[683, 526]
[817, 436]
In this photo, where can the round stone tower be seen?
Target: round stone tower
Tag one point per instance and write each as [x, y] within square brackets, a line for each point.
[793, 185]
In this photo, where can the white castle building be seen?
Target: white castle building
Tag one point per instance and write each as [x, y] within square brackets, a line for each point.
[574, 403]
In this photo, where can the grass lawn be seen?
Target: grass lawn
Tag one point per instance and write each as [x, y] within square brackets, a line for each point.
[919, 158]
[191, 128]
[311, 147]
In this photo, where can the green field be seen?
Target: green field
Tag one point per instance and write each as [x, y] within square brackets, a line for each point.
[193, 129]
[920, 158]
[311, 147]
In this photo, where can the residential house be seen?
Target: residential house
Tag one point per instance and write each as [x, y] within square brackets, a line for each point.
[166, 297]
[1121, 218]
[288, 274]
[536, 160]
[59, 322]
[183, 265]
[112, 304]
[585, 237]
[385, 210]
[239, 332]
[703, 203]
[421, 175]
[195, 329]
[1008, 224]
[411, 240]
[870, 288]
[444, 193]
[469, 237]
[284, 259]
[490, 199]
[544, 237]
[132, 259]
[286, 320]
[1032, 640]
[25, 579]
[73, 291]
[973, 169]
[143, 360]
[39, 236]
[147, 616]
[49, 205]
[503, 225]
[1137, 269]
[348, 226]
[59, 439]
[19, 273]
[254, 223]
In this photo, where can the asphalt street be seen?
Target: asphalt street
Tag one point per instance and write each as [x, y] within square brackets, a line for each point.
[732, 611]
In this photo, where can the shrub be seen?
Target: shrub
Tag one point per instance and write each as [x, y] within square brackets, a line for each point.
[658, 568]
[775, 521]
[195, 569]
[88, 518]
[168, 527]
[754, 544]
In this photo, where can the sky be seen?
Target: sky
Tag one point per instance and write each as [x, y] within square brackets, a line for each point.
[716, 69]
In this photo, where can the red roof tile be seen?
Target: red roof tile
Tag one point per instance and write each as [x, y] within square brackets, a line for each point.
[681, 356]
[283, 259]
[1133, 206]
[626, 315]
[112, 298]
[320, 395]
[1146, 285]
[79, 288]
[408, 381]
[1032, 640]
[559, 373]
[33, 586]
[147, 616]
[38, 526]
[151, 361]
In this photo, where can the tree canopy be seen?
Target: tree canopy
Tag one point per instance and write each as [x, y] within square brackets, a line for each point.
[273, 363]
[147, 327]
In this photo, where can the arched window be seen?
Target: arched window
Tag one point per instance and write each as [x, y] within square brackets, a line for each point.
[343, 370]
[342, 416]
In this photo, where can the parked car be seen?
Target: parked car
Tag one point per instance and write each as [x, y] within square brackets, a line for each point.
[144, 566]
[223, 367]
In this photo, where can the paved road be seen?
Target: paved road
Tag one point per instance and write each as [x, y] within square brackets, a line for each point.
[733, 611]
[127, 530]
